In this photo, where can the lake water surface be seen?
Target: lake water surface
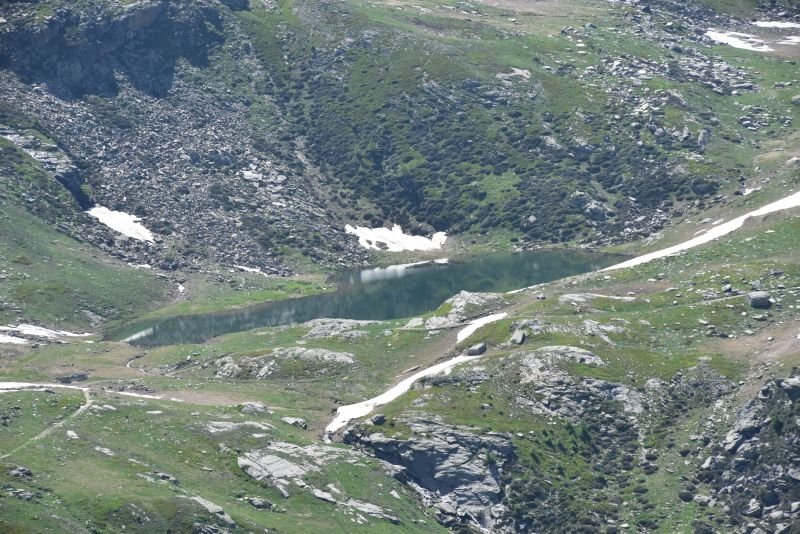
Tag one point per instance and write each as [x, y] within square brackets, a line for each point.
[378, 294]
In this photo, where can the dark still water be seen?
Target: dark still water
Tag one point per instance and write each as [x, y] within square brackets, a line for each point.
[379, 294]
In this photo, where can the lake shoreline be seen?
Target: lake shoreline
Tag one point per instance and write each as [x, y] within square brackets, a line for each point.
[385, 293]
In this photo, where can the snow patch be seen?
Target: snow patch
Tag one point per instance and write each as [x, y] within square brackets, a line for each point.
[137, 395]
[353, 411]
[251, 270]
[776, 24]
[790, 40]
[124, 223]
[38, 331]
[745, 41]
[394, 239]
[11, 340]
[467, 331]
[791, 201]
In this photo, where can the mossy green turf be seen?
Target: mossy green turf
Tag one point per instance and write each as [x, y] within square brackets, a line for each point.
[76, 478]
[658, 339]
[55, 279]
[242, 289]
[671, 340]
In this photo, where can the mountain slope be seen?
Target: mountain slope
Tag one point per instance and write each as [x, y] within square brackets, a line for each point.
[246, 134]
[242, 133]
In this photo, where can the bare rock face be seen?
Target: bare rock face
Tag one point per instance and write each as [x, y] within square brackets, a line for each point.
[264, 366]
[564, 395]
[314, 355]
[321, 328]
[284, 466]
[453, 468]
[214, 509]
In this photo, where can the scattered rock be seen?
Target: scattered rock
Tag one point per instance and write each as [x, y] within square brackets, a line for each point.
[702, 500]
[476, 350]
[249, 408]
[518, 337]
[378, 419]
[759, 299]
[313, 355]
[321, 328]
[753, 509]
[214, 509]
[20, 472]
[260, 503]
[216, 427]
[295, 421]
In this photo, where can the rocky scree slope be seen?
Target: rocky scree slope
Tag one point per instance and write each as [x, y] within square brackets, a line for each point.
[156, 128]
[244, 132]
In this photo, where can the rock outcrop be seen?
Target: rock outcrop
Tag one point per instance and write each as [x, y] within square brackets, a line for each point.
[754, 471]
[317, 360]
[463, 306]
[453, 468]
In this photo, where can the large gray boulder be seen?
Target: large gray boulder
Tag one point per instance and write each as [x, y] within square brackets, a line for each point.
[759, 299]
[748, 423]
[791, 386]
[476, 350]
[295, 421]
[518, 337]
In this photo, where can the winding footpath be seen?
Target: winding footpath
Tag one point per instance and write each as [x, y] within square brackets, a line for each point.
[22, 386]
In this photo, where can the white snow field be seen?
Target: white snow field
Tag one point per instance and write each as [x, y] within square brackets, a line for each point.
[124, 223]
[745, 41]
[394, 239]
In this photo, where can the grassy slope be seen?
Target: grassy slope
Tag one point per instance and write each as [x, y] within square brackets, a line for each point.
[54, 279]
[83, 489]
[664, 332]
[671, 340]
